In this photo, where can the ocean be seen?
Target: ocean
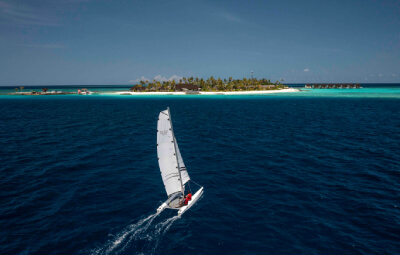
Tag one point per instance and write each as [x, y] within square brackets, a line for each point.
[311, 172]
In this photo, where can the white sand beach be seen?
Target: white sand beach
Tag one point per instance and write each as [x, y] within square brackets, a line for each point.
[254, 92]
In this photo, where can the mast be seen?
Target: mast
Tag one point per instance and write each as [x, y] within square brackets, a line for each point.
[176, 154]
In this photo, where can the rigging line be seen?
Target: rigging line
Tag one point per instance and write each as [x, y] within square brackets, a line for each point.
[189, 187]
[196, 183]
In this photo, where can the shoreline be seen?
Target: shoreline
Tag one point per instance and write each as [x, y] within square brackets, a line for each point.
[131, 93]
[253, 92]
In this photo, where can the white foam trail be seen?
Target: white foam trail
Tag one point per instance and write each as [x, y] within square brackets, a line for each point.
[131, 229]
[167, 224]
[141, 231]
[159, 230]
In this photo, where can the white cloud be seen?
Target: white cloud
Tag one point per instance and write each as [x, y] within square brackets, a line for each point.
[140, 79]
[380, 75]
[175, 77]
[157, 78]
[394, 75]
[20, 14]
[231, 17]
[162, 78]
[306, 70]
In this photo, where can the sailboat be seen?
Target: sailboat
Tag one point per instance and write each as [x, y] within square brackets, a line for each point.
[173, 171]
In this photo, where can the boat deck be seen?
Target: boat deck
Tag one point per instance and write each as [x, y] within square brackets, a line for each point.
[174, 204]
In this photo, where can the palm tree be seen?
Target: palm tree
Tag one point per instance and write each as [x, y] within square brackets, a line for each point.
[45, 90]
[212, 81]
[136, 87]
[21, 88]
[245, 83]
[173, 83]
[220, 84]
[16, 89]
[168, 85]
[236, 86]
[202, 84]
[205, 84]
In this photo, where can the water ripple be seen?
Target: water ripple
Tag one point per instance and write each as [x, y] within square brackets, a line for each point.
[282, 174]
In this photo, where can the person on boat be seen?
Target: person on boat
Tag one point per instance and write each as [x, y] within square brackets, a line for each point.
[188, 197]
[185, 199]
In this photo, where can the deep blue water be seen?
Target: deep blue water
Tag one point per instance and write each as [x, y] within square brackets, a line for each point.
[282, 175]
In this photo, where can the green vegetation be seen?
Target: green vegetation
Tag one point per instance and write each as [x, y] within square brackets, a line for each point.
[211, 84]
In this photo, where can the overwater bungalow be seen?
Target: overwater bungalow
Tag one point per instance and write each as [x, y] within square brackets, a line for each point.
[332, 86]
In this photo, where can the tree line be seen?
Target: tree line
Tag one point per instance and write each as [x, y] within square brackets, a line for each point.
[22, 88]
[210, 84]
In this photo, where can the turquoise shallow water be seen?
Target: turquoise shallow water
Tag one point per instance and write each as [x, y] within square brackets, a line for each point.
[68, 88]
[357, 93]
[368, 91]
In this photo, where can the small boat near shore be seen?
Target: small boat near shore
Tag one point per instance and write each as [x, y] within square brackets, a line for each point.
[173, 171]
[84, 92]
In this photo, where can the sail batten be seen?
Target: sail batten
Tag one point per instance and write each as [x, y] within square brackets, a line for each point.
[170, 159]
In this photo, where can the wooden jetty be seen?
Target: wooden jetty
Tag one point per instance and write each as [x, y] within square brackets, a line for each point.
[333, 86]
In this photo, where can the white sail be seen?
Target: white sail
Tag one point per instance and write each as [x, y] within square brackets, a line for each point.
[184, 172]
[167, 159]
[173, 170]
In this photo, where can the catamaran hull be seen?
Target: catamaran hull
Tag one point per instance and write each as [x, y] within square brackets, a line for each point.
[162, 207]
[195, 197]
[183, 209]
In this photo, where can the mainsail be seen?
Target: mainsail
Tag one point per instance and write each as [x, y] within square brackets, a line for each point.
[184, 172]
[169, 157]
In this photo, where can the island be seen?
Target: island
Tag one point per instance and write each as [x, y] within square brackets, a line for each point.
[210, 86]
[185, 86]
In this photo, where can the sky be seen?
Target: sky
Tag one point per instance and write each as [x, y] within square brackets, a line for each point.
[104, 42]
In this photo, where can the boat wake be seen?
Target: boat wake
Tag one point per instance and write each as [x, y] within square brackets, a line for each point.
[142, 237]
